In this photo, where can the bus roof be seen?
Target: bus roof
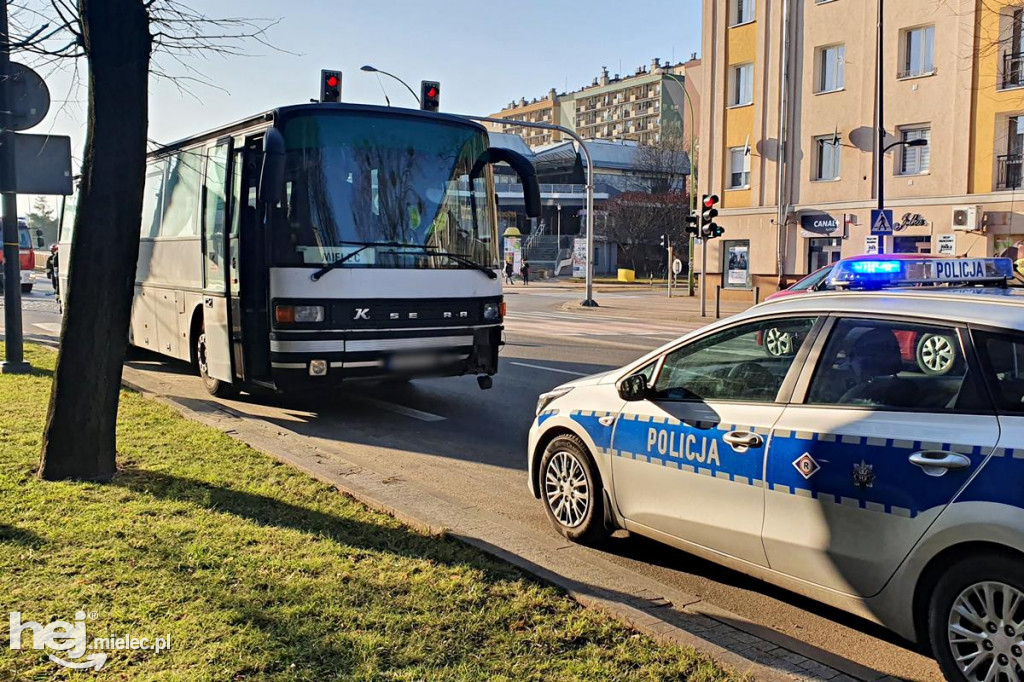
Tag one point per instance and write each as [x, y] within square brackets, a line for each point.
[268, 117]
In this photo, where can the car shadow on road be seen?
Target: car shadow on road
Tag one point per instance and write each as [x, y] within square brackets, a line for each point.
[651, 552]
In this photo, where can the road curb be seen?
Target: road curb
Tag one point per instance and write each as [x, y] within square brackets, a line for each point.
[650, 607]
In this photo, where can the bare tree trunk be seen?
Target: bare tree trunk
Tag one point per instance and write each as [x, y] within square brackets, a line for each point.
[79, 440]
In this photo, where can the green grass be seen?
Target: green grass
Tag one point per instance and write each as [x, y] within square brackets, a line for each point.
[260, 572]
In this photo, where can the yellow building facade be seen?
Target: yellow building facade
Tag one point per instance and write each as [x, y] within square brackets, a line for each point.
[953, 75]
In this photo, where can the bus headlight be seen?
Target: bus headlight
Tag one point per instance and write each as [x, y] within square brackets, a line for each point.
[300, 314]
[492, 311]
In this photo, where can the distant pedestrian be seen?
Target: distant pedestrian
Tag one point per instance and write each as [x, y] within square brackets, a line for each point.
[524, 272]
[509, 272]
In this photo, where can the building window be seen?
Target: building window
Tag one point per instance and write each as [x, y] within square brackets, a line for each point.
[1010, 164]
[742, 12]
[918, 52]
[1013, 60]
[826, 150]
[915, 160]
[830, 66]
[741, 90]
[739, 168]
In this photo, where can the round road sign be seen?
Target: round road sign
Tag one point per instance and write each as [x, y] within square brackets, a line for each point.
[677, 266]
[29, 98]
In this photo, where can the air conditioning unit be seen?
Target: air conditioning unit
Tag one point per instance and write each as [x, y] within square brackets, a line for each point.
[967, 219]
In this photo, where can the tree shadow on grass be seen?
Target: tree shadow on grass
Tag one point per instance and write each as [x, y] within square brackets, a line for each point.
[268, 511]
[19, 536]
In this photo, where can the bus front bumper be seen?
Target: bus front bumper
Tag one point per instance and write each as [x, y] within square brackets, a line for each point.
[310, 363]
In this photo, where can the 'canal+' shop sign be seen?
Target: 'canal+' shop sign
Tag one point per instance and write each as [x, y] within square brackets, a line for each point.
[820, 225]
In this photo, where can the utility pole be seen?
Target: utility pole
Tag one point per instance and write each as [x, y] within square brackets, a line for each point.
[671, 274]
[879, 119]
[14, 362]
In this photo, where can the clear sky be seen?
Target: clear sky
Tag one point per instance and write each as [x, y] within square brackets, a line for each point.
[485, 54]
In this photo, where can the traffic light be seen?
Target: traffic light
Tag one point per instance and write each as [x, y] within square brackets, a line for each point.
[330, 86]
[430, 95]
[692, 224]
[708, 228]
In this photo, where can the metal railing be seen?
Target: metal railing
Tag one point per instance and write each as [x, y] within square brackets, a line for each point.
[1013, 70]
[1008, 174]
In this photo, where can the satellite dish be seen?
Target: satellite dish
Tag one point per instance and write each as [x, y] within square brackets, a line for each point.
[28, 98]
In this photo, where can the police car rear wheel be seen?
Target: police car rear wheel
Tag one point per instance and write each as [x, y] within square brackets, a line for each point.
[936, 354]
[976, 620]
[571, 489]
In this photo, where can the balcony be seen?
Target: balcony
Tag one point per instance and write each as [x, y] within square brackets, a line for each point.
[1013, 70]
[1008, 173]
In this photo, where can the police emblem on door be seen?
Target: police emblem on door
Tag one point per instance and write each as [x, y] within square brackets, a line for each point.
[863, 475]
[806, 465]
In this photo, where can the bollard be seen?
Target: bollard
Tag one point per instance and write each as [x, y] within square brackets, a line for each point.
[718, 301]
[757, 295]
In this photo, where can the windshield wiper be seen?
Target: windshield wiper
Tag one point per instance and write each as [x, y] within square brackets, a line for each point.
[458, 258]
[431, 250]
[363, 246]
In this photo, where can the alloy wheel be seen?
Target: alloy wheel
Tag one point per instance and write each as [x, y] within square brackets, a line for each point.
[778, 342]
[936, 354]
[566, 489]
[986, 632]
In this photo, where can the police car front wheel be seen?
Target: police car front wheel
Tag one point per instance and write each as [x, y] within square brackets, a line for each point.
[571, 490]
[976, 620]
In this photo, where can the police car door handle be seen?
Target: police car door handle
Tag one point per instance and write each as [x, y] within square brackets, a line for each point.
[607, 420]
[743, 439]
[938, 462]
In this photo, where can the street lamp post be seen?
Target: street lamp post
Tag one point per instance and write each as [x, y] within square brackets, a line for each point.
[918, 142]
[373, 69]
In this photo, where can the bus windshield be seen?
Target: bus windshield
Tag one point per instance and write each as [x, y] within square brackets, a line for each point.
[395, 188]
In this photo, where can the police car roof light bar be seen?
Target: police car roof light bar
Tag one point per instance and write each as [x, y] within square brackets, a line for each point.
[883, 273]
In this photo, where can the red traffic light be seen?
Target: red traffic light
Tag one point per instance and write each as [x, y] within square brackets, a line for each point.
[710, 200]
[332, 81]
[432, 92]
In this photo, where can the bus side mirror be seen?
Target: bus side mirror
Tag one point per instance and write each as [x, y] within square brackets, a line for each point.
[271, 189]
[523, 168]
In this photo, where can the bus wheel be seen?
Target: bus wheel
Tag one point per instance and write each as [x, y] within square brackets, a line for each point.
[215, 387]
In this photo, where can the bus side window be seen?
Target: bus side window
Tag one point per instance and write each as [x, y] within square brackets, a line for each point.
[152, 200]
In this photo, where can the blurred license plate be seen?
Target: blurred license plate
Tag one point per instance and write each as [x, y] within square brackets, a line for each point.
[412, 361]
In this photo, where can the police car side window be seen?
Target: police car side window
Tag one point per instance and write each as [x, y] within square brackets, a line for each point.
[1003, 357]
[747, 363]
[890, 365]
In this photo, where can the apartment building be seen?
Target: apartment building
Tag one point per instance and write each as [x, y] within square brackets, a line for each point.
[948, 73]
[545, 110]
[635, 107]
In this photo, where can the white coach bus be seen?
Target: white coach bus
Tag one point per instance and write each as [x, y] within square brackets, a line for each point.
[321, 243]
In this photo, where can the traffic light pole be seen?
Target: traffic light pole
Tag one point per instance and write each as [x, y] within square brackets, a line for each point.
[589, 301]
[669, 271]
[703, 277]
[14, 362]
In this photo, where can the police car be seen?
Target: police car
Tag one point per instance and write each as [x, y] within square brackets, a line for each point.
[839, 468]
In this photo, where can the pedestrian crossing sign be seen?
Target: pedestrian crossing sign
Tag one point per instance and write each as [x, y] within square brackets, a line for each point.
[881, 221]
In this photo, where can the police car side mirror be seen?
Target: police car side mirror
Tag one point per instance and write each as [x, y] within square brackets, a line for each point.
[634, 388]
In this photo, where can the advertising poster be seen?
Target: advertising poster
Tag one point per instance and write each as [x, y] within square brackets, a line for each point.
[514, 251]
[738, 265]
[579, 258]
[1011, 247]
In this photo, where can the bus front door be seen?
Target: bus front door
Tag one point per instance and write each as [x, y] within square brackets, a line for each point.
[216, 315]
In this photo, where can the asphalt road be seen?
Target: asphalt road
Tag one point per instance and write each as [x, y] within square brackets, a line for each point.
[468, 446]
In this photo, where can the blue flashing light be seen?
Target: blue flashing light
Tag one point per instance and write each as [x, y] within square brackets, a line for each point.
[874, 267]
[882, 273]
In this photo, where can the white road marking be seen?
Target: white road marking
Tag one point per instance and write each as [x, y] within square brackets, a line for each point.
[405, 411]
[51, 327]
[549, 369]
